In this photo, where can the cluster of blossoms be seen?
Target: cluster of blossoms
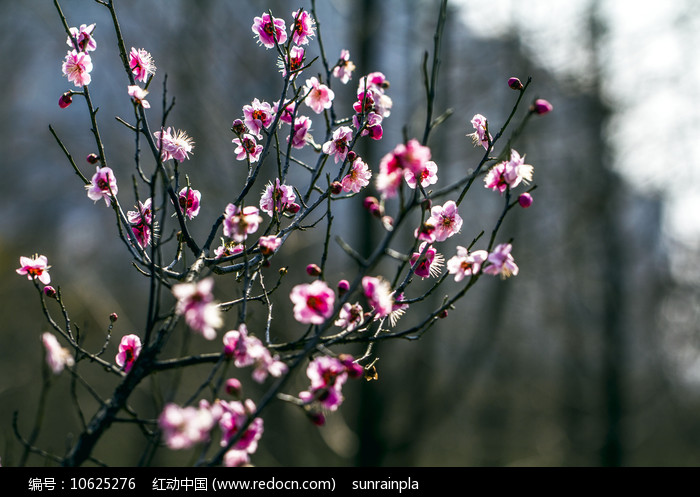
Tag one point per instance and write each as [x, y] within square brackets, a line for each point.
[77, 64]
[328, 375]
[508, 174]
[248, 350]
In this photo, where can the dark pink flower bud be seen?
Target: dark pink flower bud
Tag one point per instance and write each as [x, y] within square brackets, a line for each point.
[343, 287]
[525, 200]
[336, 187]
[233, 387]
[50, 291]
[239, 127]
[541, 107]
[313, 270]
[443, 314]
[375, 210]
[292, 208]
[113, 317]
[368, 202]
[351, 156]
[65, 100]
[92, 158]
[515, 84]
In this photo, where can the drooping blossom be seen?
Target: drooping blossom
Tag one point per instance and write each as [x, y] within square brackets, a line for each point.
[318, 95]
[129, 350]
[410, 157]
[103, 185]
[234, 416]
[466, 263]
[427, 176]
[258, 115]
[141, 64]
[174, 144]
[294, 61]
[357, 178]
[247, 148]
[239, 223]
[479, 137]
[184, 427]
[344, 68]
[195, 302]
[36, 267]
[427, 261]
[140, 221]
[327, 376]
[303, 27]
[57, 357]
[248, 350]
[138, 95]
[446, 220]
[501, 261]
[313, 302]
[269, 29]
[83, 37]
[338, 144]
[350, 317]
[302, 125]
[269, 244]
[508, 173]
[372, 126]
[276, 198]
[76, 67]
[189, 200]
[378, 293]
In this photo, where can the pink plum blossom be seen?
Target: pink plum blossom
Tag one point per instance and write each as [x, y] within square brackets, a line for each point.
[174, 144]
[189, 201]
[303, 27]
[269, 30]
[103, 185]
[239, 223]
[302, 125]
[375, 86]
[427, 176]
[140, 221]
[344, 68]
[129, 350]
[141, 64]
[295, 61]
[313, 302]
[57, 357]
[446, 220]
[357, 178]
[83, 37]
[465, 263]
[338, 145]
[372, 126]
[479, 136]
[36, 267]
[228, 249]
[184, 427]
[427, 262]
[287, 113]
[501, 261]
[76, 67]
[318, 95]
[351, 316]
[236, 458]
[276, 198]
[247, 350]
[258, 115]
[508, 173]
[195, 302]
[411, 157]
[234, 415]
[138, 95]
[328, 375]
[378, 294]
[269, 244]
[247, 148]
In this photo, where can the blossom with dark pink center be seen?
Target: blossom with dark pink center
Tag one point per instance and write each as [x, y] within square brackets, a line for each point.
[189, 201]
[357, 178]
[140, 221]
[294, 61]
[338, 144]
[183, 427]
[379, 295]
[328, 375]
[446, 220]
[269, 30]
[247, 148]
[303, 27]
[344, 68]
[376, 84]
[258, 115]
[83, 37]
[129, 350]
[239, 223]
[302, 125]
[247, 350]
[234, 415]
[195, 302]
[427, 176]
[57, 357]
[276, 198]
[318, 95]
[287, 113]
[269, 244]
[501, 261]
[141, 64]
[350, 317]
[480, 137]
[36, 267]
[103, 185]
[508, 173]
[173, 144]
[76, 67]
[138, 95]
[372, 126]
[465, 263]
[313, 302]
[426, 262]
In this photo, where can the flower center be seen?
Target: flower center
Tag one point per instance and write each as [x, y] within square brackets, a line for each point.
[103, 184]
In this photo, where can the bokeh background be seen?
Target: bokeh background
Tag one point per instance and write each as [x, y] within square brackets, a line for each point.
[588, 357]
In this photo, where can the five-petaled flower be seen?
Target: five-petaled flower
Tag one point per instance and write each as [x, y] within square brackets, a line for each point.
[196, 303]
[338, 145]
[247, 148]
[83, 37]
[102, 186]
[129, 350]
[466, 263]
[501, 261]
[234, 416]
[303, 27]
[173, 144]
[446, 220]
[140, 221]
[313, 302]
[328, 375]
[36, 267]
[76, 67]
[318, 95]
[269, 30]
[276, 198]
[141, 64]
[357, 178]
[239, 223]
[258, 115]
[189, 201]
[508, 173]
[302, 125]
[426, 262]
